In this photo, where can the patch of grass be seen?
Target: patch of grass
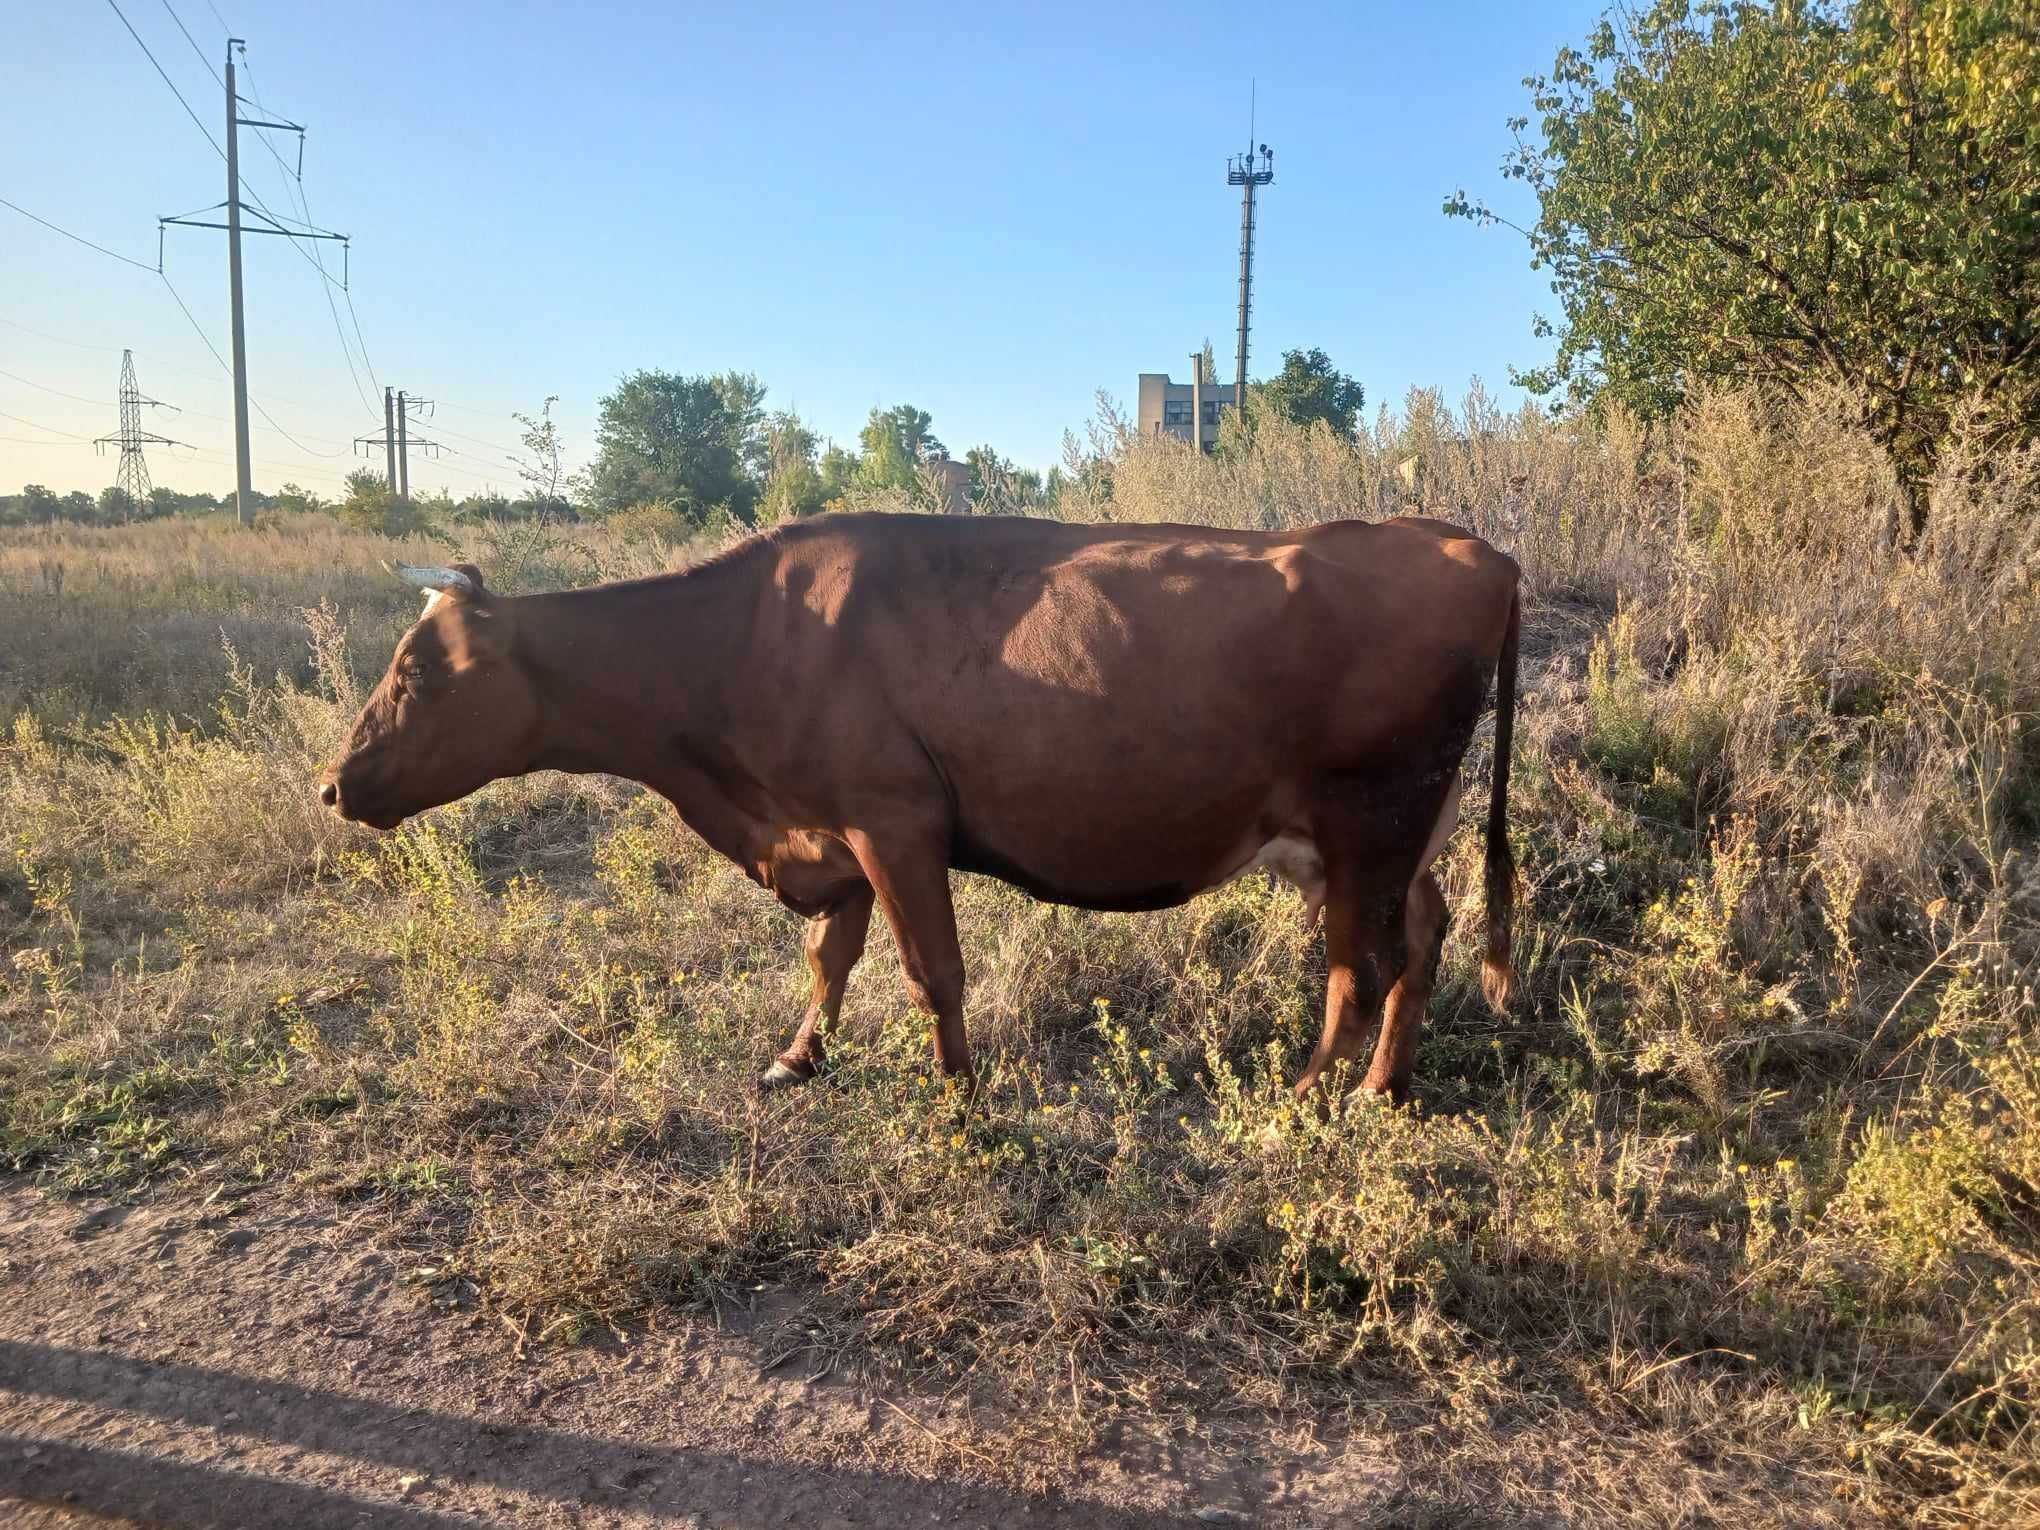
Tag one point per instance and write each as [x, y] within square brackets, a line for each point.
[1741, 1205]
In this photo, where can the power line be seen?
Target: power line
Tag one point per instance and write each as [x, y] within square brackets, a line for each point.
[476, 440]
[29, 382]
[356, 320]
[195, 329]
[36, 425]
[297, 183]
[77, 238]
[216, 459]
[253, 195]
[101, 403]
[297, 179]
[104, 348]
[194, 45]
[200, 332]
[58, 339]
[326, 288]
[238, 372]
[168, 81]
[470, 472]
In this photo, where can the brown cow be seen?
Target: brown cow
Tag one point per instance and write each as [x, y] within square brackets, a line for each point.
[1115, 717]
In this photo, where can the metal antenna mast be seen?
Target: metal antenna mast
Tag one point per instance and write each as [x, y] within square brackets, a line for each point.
[1247, 172]
[244, 492]
[132, 480]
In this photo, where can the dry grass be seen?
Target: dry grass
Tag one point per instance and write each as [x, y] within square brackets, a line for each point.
[1741, 1208]
[99, 620]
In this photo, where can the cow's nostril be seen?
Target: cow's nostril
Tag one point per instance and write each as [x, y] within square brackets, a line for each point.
[329, 793]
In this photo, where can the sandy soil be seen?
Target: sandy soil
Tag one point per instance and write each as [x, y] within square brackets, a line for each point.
[162, 1366]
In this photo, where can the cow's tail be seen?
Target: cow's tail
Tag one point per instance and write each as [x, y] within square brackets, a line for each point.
[1497, 975]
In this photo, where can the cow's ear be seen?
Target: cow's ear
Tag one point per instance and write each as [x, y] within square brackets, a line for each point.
[474, 577]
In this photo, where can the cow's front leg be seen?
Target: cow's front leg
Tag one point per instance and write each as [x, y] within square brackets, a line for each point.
[834, 942]
[911, 877]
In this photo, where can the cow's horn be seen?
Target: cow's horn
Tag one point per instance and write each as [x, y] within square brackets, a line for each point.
[433, 578]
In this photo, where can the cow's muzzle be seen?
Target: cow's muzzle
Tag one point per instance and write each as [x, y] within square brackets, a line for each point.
[346, 794]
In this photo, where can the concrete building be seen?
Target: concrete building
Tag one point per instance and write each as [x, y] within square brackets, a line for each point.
[1188, 411]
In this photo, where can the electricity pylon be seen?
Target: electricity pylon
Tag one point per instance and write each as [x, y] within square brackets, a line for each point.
[132, 480]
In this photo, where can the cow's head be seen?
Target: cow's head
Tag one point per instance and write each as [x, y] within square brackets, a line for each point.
[455, 711]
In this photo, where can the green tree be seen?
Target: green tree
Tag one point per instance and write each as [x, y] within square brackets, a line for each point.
[793, 484]
[372, 505]
[114, 508]
[297, 500]
[896, 442]
[695, 442]
[1793, 195]
[490, 505]
[38, 504]
[838, 468]
[1310, 388]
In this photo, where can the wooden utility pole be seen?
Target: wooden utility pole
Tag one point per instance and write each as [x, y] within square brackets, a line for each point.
[396, 440]
[244, 492]
[244, 486]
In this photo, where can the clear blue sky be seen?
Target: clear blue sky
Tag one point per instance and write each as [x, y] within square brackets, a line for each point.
[992, 212]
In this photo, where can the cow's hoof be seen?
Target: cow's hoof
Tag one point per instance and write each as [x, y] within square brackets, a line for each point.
[780, 1076]
[1389, 1091]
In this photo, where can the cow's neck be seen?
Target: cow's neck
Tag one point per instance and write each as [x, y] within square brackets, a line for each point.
[628, 676]
[621, 669]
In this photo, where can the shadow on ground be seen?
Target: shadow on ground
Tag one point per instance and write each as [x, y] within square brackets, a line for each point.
[635, 1483]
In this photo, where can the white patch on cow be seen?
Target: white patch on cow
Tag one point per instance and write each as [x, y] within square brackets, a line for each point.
[1294, 858]
[432, 598]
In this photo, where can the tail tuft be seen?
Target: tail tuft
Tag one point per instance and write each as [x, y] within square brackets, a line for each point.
[1498, 975]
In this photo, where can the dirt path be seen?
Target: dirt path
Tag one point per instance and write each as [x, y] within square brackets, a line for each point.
[278, 1371]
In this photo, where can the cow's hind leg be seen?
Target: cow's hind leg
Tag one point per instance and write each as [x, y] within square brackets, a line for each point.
[1364, 936]
[834, 942]
[1382, 908]
[1402, 1022]
[1424, 919]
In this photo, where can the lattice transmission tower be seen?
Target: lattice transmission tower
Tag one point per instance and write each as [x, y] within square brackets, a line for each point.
[132, 480]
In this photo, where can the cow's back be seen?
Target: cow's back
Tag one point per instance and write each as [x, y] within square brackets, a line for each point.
[1110, 710]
